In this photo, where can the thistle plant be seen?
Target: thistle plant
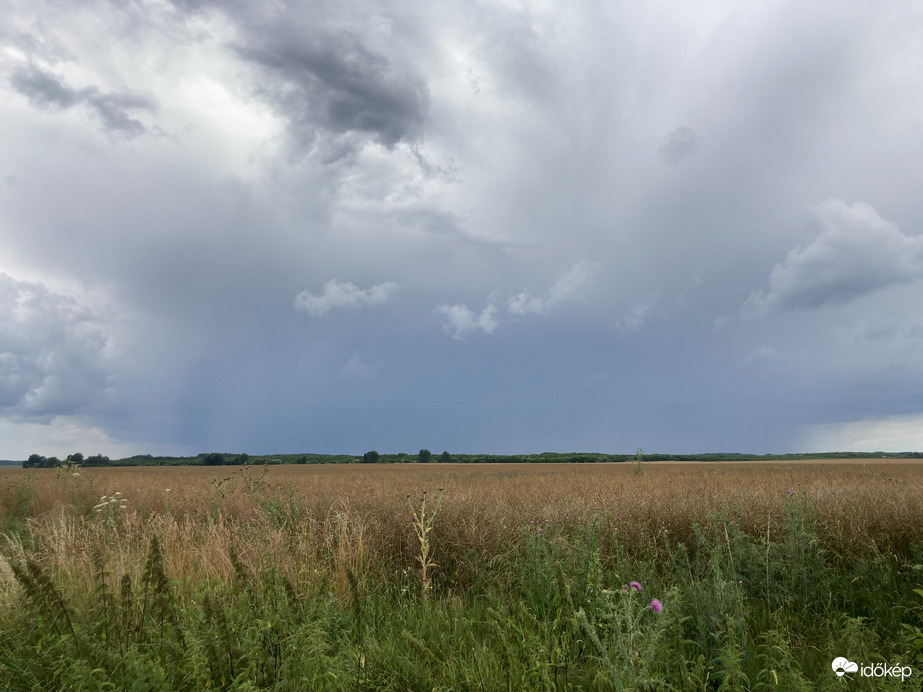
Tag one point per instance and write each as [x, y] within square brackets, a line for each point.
[422, 525]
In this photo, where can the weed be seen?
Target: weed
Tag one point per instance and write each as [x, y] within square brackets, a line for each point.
[422, 526]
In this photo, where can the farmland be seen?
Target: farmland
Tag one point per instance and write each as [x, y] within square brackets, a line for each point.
[293, 577]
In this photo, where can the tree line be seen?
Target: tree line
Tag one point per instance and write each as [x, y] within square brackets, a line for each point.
[425, 456]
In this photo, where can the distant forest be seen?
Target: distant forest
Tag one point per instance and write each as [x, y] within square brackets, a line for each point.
[425, 456]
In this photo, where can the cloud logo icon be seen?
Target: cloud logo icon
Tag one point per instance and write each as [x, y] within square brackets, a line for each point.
[841, 666]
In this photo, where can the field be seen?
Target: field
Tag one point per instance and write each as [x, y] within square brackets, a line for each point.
[509, 577]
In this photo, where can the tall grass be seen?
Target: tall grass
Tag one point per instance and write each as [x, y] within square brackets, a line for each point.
[535, 578]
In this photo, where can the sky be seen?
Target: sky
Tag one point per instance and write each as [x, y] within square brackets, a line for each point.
[505, 227]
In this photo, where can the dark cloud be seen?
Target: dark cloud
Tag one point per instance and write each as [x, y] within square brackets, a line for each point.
[680, 144]
[113, 109]
[334, 84]
[46, 90]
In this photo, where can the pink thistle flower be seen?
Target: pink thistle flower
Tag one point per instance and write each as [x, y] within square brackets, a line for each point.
[624, 587]
[635, 585]
[656, 605]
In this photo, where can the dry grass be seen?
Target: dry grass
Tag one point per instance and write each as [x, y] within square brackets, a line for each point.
[329, 520]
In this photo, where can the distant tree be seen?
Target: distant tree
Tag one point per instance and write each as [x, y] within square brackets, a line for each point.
[243, 459]
[371, 457]
[98, 460]
[302, 460]
[51, 463]
[35, 461]
[425, 456]
[213, 459]
[75, 458]
[446, 458]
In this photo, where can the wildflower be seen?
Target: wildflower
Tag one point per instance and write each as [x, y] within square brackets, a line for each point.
[656, 605]
[540, 530]
[166, 490]
[624, 587]
[635, 585]
[75, 474]
[532, 522]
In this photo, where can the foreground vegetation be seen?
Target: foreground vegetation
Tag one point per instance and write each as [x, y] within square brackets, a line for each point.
[650, 576]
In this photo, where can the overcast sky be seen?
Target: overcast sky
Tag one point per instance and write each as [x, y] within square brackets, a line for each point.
[502, 226]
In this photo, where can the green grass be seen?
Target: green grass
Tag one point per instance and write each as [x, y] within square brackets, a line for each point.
[547, 612]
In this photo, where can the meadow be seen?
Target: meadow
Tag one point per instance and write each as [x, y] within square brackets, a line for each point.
[660, 575]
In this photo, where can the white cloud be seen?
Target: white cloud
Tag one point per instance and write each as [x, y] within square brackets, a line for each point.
[64, 435]
[572, 285]
[857, 252]
[890, 434]
[460, 319]
[343, 295]
[634, 319]
[524, 303]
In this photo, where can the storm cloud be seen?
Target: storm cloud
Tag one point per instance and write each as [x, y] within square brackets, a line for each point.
[288, 226]
[334, 84]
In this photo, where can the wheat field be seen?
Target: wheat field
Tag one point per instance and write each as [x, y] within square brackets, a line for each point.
[361, 513]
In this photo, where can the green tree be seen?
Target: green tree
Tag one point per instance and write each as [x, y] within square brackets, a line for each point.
[424, 456]
[371, 457]
[98, 460]
[446, 458]
[35, 461]
[213, 459]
